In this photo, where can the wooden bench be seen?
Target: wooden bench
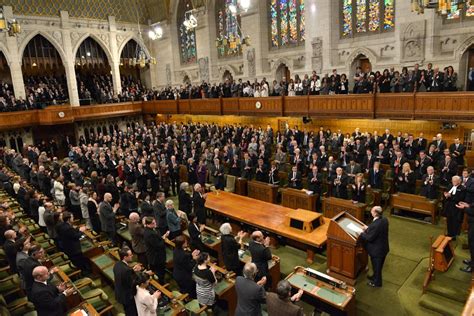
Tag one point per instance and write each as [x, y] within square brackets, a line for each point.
[293, 198]
[262, 191]
[414, 203]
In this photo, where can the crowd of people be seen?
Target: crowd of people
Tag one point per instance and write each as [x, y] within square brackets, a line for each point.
[132, 172]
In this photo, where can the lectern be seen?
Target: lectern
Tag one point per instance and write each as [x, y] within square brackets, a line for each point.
[346, 256]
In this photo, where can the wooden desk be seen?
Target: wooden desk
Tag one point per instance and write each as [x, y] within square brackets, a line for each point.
[88, 308]
[74, 299]
[333, 206]
[469, 307]
[323, 296]
[176, 304]
[293, 198]
[269, 217]
[414, 203]
[262, 191]
[241, 186]
[225, 288]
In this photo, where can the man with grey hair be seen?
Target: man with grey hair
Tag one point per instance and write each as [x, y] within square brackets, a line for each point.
[375, 238]
[199, 199]
[136, 229]
[282, 303]
[250, 294]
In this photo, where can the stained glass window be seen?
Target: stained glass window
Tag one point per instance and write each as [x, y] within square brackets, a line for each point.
[456, 12]
[187, 38]
[367, 16]
[287, 23]
[229, 35]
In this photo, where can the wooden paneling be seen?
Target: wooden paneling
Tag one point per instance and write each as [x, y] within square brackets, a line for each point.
[18, 119]
[58, 114]
[206, 106]
[81, 113]
[395, 105]
[295, 106]
[184, 106]
[160, 107]
[230, 106]
[337, 106]
[272, 106]
[445, 106]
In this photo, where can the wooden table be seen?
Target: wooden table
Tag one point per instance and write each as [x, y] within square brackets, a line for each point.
[262, 191]
[88, 308]
[241, 186]
[323, 296]
[333, 206]
[269, 217]
[293, 198]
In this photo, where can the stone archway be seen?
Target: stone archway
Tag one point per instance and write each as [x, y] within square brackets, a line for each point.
[282, 71]
[227, 75]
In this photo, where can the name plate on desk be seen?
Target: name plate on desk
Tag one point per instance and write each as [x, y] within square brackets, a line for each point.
[304, 220]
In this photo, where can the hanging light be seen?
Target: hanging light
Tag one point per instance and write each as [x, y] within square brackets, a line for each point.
[245, 5]
[156, 32]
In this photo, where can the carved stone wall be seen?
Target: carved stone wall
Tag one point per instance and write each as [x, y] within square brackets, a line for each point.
[204, 68]
[412, 41]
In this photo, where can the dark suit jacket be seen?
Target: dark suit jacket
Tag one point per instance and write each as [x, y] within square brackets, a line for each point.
[218, 174]
[450, 208]
[160, 216]
[185, 202]
[260, 256]
[27, 267]
[279, 307]
[107, 217]
[199, 207]
[296, 184]
[10, 252]
[70, 239]
[47, 300]
[250, 296]
[195, 237]
[376, 238]
[230, 252]
[183, 265]
[155, 247]
[428, 190]
[458, 155]
[376, 179]
[315, 182]
[123, 279]
[339, 190]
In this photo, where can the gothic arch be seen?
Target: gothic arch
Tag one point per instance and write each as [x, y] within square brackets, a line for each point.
[51, 39]
[226, 68]
[463, 47]
[101, 43]
[360, 51]
[4, 50]
[276, 65]
[139, 42]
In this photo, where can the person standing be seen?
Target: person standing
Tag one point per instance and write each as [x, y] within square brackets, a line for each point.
[124, 281]
[230, 248]
[250, 294]
[146, 302]
[375, 238]
[136, 230]
[155, 248]
[107, 217]
[282, 303]
[469, 210]
[454, 216]
[260, 251]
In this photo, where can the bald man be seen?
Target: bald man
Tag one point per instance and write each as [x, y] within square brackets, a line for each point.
[260, 252]
[10, 249]
[135, 227]
[49, 300]
[107, 217]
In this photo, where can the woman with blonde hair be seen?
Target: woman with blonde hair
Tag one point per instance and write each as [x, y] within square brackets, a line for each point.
[358, 189]
[406, 181]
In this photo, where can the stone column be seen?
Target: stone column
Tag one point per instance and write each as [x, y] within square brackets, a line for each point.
[115, 62]
[70, 58]
[14, 61]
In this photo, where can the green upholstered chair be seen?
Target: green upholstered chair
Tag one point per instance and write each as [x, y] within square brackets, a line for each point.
[194, 308]
[10, 285]
[99, 300]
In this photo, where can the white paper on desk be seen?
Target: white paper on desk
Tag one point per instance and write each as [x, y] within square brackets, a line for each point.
[354, 228]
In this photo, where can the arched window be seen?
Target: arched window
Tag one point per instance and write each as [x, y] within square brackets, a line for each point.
[186, 38]
[457, 12]
[287, 26]
[367, 16]
[229, 35]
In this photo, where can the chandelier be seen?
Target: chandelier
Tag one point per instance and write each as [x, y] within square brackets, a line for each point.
[12, 27]
[156, 32]
[442, 7]
[234, 41]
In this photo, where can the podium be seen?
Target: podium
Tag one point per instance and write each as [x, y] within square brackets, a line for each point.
[345, 255]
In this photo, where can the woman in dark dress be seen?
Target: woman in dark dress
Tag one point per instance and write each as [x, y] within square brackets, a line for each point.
[194, 230]
[183, 264]
[184, 199]
[406, 181]
[191, 167]
[201, 172]
[205, 279]
[154, 176]
[230, 248]
[92, 207]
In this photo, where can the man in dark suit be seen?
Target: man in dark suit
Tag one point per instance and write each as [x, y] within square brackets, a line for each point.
[449, 168]
[247, 167]
[49, 300]
[70, 239]
[376, 177]
[430, 184]
[339, 184]
[107, 217]
[155, 248]
[250, 294]
[282, 303]
[260, 252]
[469, 210]
[382, 154]
[160, 211]
[124, 281]
[368, 161]
[10, 249]
[218, 174]
[199, 199]
[261, 172]
[295, 179]
[440, 145]
[457, 151]
[375, 238]
[315, 180]
[454, 217]
[26, 267]
[420, 143]
[421, 164]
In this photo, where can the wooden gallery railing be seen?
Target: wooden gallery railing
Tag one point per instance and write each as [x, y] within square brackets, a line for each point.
[446, 106]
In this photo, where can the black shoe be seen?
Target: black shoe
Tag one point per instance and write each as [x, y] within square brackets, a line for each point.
[372, 284]
[467, 261]
[467, 269]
